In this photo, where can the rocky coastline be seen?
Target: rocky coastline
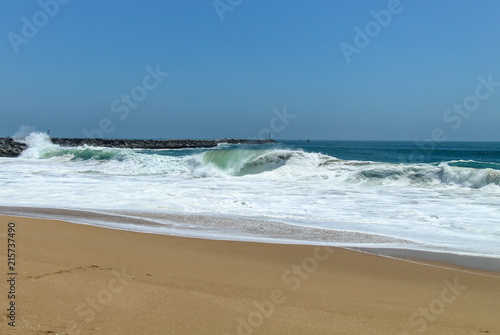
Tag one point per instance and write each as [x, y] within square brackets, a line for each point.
[11, 148]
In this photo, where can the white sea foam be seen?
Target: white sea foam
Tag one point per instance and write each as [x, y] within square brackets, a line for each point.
[38, 144]
[442, 207]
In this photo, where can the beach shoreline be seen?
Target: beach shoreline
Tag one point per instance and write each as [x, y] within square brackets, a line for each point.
[128, 222]
[74, 278]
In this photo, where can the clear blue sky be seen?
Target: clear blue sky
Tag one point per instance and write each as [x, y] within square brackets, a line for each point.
[226, 76]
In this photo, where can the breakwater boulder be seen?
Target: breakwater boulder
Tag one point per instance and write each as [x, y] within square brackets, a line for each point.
[10, 148]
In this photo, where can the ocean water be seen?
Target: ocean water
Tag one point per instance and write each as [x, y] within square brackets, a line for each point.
[434, 196]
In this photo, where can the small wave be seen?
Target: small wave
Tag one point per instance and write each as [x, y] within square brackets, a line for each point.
[400, 174]
[472, 164]
[82, 153]
[426, 175]
[40, 146]
[469, 177]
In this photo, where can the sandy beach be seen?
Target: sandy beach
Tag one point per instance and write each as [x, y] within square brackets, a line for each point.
[250, 167]
[78, 279]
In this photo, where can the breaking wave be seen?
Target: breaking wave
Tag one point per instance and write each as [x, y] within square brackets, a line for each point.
[240, 162]
[274, 163]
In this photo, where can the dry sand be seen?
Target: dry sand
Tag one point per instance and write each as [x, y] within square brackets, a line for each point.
[77, 279]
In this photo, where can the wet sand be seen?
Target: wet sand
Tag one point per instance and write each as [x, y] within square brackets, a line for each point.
[78, 279]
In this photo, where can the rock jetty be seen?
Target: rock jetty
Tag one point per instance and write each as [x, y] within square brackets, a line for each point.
[11, 148]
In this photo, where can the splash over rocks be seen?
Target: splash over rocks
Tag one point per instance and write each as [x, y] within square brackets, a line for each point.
[13, 147]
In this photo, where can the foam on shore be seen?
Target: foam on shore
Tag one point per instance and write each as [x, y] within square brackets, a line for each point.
[252, 230]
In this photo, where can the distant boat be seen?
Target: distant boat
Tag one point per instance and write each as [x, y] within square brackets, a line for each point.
[308, 140]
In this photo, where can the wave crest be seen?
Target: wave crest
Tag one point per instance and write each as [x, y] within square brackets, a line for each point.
[469, 177]
[240, 162]
[274, 163]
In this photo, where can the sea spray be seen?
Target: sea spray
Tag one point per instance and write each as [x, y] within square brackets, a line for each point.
[38, 144]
